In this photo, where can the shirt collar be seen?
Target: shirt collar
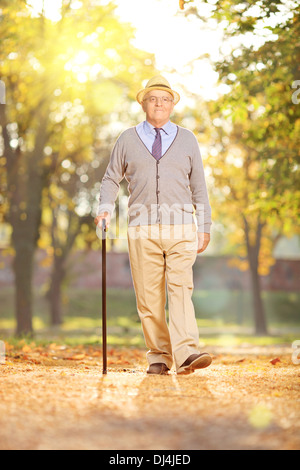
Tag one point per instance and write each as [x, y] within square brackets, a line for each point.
[168, 128]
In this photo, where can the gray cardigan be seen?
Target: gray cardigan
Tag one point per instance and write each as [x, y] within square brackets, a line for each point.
[167, 191]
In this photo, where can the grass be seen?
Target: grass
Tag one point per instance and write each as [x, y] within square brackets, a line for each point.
[223, 317]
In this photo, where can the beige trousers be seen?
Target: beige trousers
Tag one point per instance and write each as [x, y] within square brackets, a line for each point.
[161, 254]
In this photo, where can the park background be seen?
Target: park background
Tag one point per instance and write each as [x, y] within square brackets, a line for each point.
[71, 71]
[69, 74]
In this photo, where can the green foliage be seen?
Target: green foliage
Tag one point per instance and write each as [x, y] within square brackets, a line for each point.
[254, 135]
[255, 125]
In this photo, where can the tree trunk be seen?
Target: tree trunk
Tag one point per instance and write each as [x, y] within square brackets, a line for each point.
[24, 238]
[253, 254]
[259, 311]
[26, 181]
[23, 268]
[54, 295]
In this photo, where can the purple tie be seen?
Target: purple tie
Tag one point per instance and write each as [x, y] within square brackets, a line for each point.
[156, 148]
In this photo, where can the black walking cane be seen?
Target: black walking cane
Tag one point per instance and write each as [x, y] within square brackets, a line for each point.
[104, 334]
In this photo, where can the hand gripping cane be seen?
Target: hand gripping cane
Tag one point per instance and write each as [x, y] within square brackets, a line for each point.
[104, 334]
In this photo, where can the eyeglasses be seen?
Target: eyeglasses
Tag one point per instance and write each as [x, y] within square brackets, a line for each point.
[156, 99]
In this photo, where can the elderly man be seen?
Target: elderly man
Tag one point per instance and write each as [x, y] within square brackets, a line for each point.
[167, 190]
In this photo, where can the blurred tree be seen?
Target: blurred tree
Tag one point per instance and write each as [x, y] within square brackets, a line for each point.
[64, 79]
[255, 133]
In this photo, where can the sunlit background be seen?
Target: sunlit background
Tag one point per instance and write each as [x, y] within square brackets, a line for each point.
[174, 40]
[183, 51]
[72, 71]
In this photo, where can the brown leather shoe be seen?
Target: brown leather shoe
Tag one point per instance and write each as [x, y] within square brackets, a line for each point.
[158, 369]
[195, 361]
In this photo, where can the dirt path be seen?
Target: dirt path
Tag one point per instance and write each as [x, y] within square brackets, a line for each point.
[57, 398]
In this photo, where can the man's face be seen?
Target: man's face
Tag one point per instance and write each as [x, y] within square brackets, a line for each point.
[158, 106]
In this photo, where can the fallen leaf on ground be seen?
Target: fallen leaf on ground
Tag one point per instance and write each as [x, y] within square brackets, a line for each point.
[275, 361]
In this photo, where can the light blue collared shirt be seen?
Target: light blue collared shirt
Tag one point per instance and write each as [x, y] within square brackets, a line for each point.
[147, 134]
